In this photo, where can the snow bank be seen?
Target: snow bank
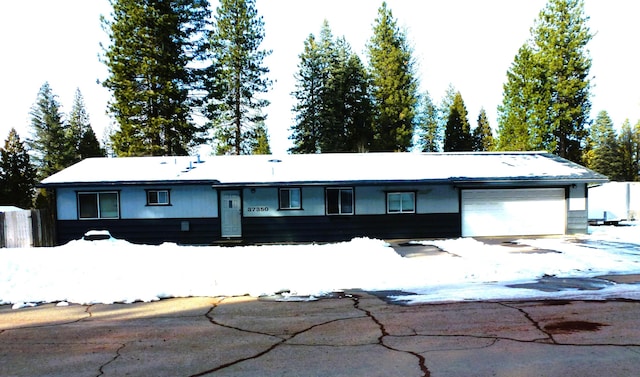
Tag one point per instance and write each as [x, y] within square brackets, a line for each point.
[108, 271]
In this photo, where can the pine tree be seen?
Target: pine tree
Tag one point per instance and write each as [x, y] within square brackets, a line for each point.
[153, 44]
[52, 150]
[261, 141]
[235, 106]
[546, 102]
[80, 134]
[561, 36]
[17, 175]
[428, 126]
[518, 119]
[603, 152]
[305, 133]
[333, 109]
[358, 107]
[457, 134]
[394, 86]
[345, 102]
[482, 136]
[636, 143]
[629, 159]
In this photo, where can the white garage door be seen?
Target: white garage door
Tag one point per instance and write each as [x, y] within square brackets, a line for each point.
[513, 212]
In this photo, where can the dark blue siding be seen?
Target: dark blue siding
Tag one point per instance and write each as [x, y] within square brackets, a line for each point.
[341, 228]
[271, 229]
[202, 231]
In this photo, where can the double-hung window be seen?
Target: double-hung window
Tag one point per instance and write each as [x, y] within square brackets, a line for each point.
[290, 198]
[401, 202]
[98, 205]
[339, 201]
[158, 198]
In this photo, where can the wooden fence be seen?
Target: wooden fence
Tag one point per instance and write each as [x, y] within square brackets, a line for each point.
[28, 228]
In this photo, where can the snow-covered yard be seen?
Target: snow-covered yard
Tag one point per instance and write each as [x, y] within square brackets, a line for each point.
[109, 271]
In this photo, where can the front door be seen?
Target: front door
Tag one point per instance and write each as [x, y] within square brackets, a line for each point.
[231, 213]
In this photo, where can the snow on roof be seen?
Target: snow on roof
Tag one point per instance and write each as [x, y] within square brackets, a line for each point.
[10, 209]
[325, 168]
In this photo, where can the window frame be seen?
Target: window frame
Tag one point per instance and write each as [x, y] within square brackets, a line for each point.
[402, 210]
[99, 210]
[158, 204]
[289, 207]
[339, 198]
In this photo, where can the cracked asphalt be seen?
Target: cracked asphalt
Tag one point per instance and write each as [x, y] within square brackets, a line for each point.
[349, 334]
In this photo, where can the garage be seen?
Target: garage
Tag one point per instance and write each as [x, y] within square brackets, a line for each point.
[513, 212]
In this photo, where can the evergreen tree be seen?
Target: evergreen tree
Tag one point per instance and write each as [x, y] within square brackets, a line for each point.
[629, 159]
[428, 126]
[636, 143]
[49, 141]
[483, 140]
[561, 36]
[17, 175]
[346, 103]
[358, 106]
[394, 86]
[518, 118]
[235, 106]
[546, 100]
[306, 132]
[603, 154]
[261, 141]
[458, 132]
[80, 134]
[333, 109]
[153, 44]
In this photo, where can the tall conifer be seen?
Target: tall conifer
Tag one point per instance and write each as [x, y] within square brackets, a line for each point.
[482, 135]
[394, 85]
[546, 101]
[153, 45]
[235, 107]
[457, 137]
[17, 175]
[52, 150]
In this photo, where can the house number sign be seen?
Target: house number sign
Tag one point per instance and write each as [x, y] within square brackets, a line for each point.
[258, 209]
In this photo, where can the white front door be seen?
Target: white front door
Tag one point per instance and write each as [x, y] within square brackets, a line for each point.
[231, 213]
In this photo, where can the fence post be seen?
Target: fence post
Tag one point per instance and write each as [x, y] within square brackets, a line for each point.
[3, 239]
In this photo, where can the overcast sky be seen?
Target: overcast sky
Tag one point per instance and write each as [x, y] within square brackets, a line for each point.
[467, 43]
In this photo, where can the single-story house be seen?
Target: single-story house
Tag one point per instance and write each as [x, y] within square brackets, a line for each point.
[322, 197]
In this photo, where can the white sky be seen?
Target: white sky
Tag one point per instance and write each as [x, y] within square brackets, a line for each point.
[468, 43]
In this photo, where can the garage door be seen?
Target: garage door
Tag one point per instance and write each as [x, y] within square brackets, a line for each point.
[512, 212]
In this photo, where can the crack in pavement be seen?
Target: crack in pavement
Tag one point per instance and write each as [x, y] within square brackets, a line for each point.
[549, 337]
[356, 304]
[283, 339]
[384, 333]
[118, 354]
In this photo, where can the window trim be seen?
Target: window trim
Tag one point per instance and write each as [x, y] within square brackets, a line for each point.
[97, 196]
[340, 190]
[150, 204]
[289, 208]
[401, 211]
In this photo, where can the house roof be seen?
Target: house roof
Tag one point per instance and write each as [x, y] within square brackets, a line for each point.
[330, 168]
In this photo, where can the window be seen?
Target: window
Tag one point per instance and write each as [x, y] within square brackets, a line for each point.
[339, 201]
[158, 198]
[401, 202]
[98, 205]
[290, 198]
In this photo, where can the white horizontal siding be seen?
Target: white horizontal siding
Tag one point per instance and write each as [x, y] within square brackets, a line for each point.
[186, 202]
